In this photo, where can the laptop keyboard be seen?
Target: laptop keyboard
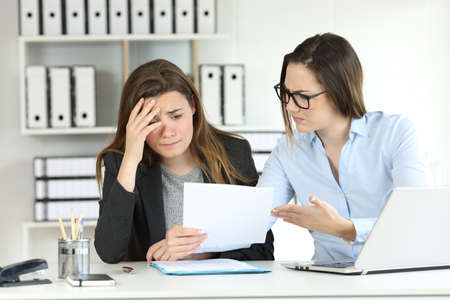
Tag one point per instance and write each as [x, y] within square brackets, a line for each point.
[335, 264]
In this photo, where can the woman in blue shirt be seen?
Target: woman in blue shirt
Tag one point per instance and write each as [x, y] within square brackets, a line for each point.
[341, 163]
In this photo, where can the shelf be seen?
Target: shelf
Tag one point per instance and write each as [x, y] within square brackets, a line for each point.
[125, 37]
[251, 128]
[54, 224]
[74, 130]
[112, 130]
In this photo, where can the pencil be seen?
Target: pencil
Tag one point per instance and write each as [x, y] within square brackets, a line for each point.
[61, 227]
[77, 230]
[72, 227]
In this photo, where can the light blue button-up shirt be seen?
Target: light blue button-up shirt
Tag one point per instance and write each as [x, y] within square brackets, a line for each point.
[382, 152]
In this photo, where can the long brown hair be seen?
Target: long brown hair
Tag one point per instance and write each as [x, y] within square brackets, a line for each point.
[156, 78]
[337, 68]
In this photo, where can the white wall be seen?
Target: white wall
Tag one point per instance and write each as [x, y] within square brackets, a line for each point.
[404, 47]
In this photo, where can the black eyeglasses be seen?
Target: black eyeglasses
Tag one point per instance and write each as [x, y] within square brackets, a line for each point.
[301, 100]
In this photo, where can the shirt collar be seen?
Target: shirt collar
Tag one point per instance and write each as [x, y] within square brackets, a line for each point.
[359, 126]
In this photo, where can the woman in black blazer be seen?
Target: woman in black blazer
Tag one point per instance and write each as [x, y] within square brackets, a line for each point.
[162, 129]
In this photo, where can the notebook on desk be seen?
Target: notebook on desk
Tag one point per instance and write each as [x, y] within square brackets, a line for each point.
[410, 234]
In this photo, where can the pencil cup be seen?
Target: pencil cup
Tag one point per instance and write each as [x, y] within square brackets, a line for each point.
[73, 257]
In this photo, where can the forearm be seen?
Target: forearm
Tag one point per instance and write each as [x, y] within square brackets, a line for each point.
[345, 229]
[113, 230]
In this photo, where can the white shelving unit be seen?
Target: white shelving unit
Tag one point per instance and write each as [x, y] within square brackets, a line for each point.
[112, 130]
[26, 42]
[24, 53]
[124, 37]
[40, 238]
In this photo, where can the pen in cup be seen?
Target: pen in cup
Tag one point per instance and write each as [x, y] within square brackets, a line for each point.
[77, 229]
[72, 227]
[80, 232]
[61, 227]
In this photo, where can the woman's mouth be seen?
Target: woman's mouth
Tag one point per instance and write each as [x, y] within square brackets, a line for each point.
[170, 144]
[297, 119]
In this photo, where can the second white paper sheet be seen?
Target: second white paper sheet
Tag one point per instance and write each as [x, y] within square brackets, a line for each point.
[233, 216]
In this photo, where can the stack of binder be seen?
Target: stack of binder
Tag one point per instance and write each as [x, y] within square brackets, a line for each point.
[60, 97]
[99, 17]
[63, 185]
[222, 88]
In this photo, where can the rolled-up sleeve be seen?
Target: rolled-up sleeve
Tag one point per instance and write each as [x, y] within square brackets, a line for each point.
[408, 168]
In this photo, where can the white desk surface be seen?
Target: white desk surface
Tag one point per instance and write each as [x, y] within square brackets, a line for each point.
[149, 283]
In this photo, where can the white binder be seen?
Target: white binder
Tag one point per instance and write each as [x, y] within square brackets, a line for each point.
[140, 16]
[36, 97]
[29, 17]
[39, 164]
[75, 17]
[88, 209]
[84, 96]
[233, 91]
[163, 16]
[184, 16]
[72, 189]
[210, 91]
[97, 21]
[51, 167]
[39, 211]
[52, 17]
[40, 189]
[118, 16]
[206, 16]
[60, 97]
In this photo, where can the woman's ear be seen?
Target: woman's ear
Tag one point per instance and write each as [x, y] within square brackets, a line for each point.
[193, 105]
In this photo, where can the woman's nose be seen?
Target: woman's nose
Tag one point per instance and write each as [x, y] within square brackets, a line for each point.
[291, 107]
[167, 129]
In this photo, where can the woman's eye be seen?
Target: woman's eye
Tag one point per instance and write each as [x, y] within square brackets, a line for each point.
[177, 116]
[153, 121]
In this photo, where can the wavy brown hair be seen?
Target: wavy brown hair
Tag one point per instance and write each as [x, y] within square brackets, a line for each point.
[336, 66]
[156, 78]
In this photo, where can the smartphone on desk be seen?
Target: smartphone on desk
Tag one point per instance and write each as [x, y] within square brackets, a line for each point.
[90, 280]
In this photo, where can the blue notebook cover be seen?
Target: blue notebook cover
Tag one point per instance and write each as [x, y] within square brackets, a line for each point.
[206, 267]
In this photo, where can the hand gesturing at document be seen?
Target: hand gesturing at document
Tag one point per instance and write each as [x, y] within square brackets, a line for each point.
[179, 243]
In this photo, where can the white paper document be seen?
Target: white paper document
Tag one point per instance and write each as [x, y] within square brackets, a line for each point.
[233, 216]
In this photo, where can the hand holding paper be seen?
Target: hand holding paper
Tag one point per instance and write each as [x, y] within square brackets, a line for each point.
[179, 243]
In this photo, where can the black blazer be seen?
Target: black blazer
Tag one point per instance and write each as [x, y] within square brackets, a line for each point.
[129, 223]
